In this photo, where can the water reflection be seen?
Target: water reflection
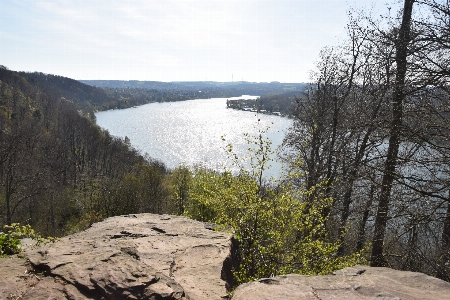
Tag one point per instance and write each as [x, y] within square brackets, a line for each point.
[189, 132]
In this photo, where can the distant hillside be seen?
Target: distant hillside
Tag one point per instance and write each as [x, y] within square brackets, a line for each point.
[226, 89]
[92, 95]
[58, 170]
[83, 95]
[131, 84]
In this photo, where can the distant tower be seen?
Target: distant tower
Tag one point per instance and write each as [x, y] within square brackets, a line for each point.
[232, 80]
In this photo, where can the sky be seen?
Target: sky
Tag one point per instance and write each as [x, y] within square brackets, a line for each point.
[173, 40]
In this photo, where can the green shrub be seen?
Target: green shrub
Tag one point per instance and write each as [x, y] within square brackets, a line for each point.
[10, 238]
[280, 229]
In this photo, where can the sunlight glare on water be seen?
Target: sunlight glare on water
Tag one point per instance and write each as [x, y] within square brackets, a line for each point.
[189, 132]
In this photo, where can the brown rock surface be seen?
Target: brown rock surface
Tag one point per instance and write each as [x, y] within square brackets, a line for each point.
[356, 283]
[150, 256]
[142, 256]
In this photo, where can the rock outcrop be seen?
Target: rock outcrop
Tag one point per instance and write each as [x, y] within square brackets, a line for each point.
[156, 257]
[355, 283]
[142, 256]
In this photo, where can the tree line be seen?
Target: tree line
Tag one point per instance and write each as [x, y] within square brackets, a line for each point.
[374, 125]
[133, 93]
[59, 171]
[238, 87]
[280, 104]
[94, 95]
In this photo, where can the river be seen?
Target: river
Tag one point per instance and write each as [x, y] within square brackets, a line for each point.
[189, 132]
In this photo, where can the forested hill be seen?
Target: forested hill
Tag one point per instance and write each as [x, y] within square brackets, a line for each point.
[58, 169]
[92, 95]
[131, 93]
[84, 97]
[220, 88]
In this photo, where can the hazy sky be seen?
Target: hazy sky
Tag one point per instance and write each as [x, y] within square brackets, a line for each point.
[171, 40]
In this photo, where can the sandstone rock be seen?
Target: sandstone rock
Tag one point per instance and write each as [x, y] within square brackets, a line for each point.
[150, 256]
[18, 281]
[142, 256]
[356, 283]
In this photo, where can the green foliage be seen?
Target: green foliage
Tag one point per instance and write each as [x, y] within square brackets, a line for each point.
[9, 245]
[142, 190]
[83, 222]
[279, 232]
[10, 238]
[180, 182]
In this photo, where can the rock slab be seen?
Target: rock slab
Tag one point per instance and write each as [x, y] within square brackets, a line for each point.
[143, 256]
[355, 283]
[158, 257]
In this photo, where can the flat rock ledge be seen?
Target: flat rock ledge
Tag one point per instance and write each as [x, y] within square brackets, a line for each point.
[158, 257]
[355, 283]
[143, 256]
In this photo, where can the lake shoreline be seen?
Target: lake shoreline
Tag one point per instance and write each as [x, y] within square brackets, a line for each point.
[189, 132]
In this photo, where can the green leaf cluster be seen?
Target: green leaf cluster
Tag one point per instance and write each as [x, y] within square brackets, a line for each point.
[278, 233]
[10, 238]
[280, 229]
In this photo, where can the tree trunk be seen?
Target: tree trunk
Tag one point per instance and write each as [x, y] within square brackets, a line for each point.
[443, 272]
[377, 258]
[9, 191]
[347, 198]
[362, 226]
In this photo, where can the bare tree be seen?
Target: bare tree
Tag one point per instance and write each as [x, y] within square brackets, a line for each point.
[375, 127]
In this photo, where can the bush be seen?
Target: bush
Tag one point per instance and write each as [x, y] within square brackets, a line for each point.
[10, 238]
[280, 229]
